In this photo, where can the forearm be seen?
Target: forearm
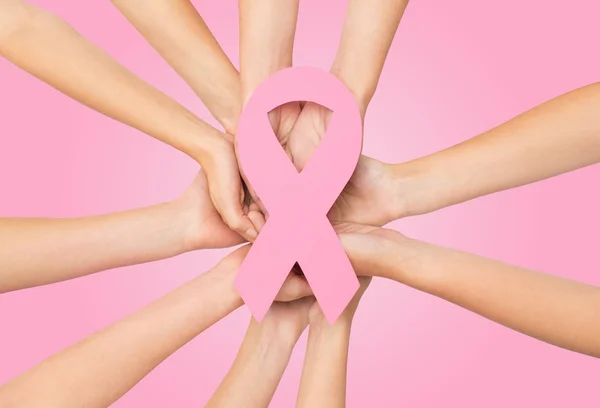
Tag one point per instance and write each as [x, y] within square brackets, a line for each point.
[552, 309]
[179, 34]
[369, 28]
[323, 382]
[257, 369]
[40, 251]
[267, 29]
[51, 50]
[100, 369]
[556, 137]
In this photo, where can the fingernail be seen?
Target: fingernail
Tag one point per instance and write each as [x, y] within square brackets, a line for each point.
[251, 233]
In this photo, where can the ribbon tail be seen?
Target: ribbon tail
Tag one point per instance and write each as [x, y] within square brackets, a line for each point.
[265, 268]
[328, 270]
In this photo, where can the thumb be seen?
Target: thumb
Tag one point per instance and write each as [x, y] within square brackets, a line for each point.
[226, 193]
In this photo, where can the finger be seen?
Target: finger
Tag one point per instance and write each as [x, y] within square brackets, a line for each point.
[233, 214]
[258, 219]
[256, 200]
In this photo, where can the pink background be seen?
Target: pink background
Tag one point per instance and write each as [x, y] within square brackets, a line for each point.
[456, 69]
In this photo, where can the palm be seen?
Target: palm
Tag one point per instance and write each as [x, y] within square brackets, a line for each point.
[283, 119]
[307, 132]
[366, 197]
[368, 246]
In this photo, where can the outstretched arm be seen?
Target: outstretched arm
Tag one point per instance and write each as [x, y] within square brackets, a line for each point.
[556, 137]
[267, 29]
[101, 368]
[323, 382]
[37, 251]
[48, 48]
[552, 309]
[369, 28]
[40, 251]
[180, 35]
[263, 356]
[98, 370]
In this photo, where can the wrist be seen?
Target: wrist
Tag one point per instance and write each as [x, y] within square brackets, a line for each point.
[413, 189]
[329, 339]
[406, 262]
[363, 93]
[171, 225]
[319, 324]
[221, 278]
[321, 328]
[252, 80]
[205, 142]
[185, 220]
[198, 139]
[274, 336]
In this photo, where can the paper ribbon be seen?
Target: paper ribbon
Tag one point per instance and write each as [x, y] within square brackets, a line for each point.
[297, 229]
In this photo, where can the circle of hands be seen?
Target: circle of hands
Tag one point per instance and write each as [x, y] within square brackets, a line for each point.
[220, 210]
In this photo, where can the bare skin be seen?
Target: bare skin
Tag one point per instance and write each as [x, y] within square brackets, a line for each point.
[38, 251]
[119, 356]
[268, 345]
[48, 48]
[178, 33]
[552, 309]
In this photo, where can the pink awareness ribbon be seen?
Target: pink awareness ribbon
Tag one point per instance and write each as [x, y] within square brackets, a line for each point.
[297, 229]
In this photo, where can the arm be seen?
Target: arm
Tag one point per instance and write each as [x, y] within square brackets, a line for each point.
[180, 35]
[51, 50]
[40, 251]
[48, 48]
[552, 309]
[369, 28]
[267, 29]
[119, 356]
[323, 382]
[264, 355]
[556, 137]
[37, 251]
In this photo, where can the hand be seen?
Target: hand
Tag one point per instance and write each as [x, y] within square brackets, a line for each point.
[369, 248]
[288, 315]
[369, 196]
[203, 227]
[217, 158]
[288, 320]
